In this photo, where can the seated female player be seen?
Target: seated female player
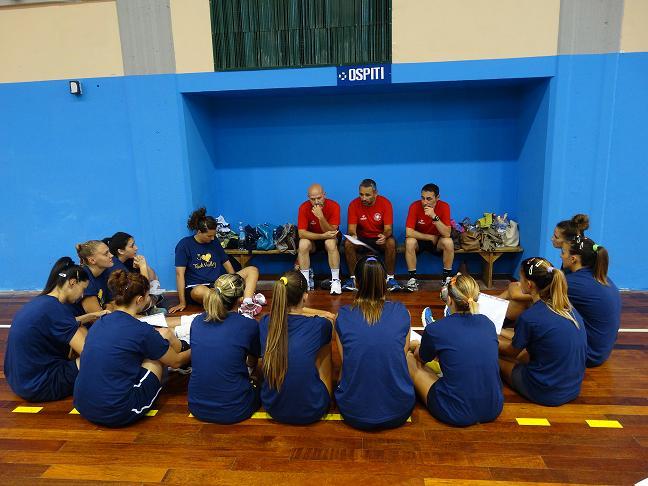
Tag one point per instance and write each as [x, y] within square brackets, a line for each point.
[545, 360]
[200, 260]
[125, 256]
[223, 345]
[375, 389]
[566, 230]
[39, 365]
[296, 355]
[122, 363]
[465, 343]
[593, 295]
[96, 259]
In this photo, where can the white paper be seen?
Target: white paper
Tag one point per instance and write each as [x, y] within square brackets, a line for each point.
[187, 320]
[356, 241]
[157, 320]
[414, 336]
[494, 308]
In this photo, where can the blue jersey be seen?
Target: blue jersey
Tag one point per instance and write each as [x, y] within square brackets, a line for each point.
[557, 351]
[303, 397]
[203, 262]
[98, 287]
[110, 368]
[36, 361]
[219, 387]
[375, 386]
[600, 306]
[470, 390]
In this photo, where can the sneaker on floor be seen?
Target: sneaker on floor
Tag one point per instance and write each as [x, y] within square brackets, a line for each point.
[445, 280]
[349, 285]
[427, 317]
[393, 285]
[336, 287]
[259, 299]
[412, 285]
[250, 310]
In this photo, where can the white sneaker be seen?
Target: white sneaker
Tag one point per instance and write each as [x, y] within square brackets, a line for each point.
[336, 287]
[412, 285]
[259, 299]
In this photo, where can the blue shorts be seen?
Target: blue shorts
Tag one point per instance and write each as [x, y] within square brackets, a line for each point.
[389, 424]
[139, 400]
[517, 382]
[59, 383]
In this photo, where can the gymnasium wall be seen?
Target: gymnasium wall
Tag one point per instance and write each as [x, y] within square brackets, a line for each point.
[516, 119]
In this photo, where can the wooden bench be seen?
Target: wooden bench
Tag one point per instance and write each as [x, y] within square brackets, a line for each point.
[488, 258]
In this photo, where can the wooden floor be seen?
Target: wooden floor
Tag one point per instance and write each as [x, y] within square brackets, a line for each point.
[173, 448]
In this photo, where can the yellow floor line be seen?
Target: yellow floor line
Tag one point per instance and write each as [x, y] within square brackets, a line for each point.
[543, 422]
[607, 424]
[27, 409]
[151, 413]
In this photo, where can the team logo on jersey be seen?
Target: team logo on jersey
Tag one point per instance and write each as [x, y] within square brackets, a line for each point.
[363, 218]
[421, 221]
[206, 257]
[204, 261]
[377, 216]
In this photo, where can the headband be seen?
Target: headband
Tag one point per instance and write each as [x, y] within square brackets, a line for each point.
[371, 259]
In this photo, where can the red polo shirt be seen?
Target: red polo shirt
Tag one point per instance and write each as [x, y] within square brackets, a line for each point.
[371, 220]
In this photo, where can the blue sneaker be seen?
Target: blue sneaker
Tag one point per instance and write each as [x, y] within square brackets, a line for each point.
[427, 317]
[349, 285]
[393, 285]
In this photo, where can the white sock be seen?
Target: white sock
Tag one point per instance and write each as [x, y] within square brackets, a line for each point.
[305, 273]
[389, 276]
[248, 300]
[335, 273]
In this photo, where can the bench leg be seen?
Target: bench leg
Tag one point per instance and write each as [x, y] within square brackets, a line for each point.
[489, 258]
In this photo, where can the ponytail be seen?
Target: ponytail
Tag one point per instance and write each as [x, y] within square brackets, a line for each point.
[286, 292]
[370, 298]
[464, 290]
[592, 256]
[220, 300]
[551, 284]
[64, 269]
[200, 222]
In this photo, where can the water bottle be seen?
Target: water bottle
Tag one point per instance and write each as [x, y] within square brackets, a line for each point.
[241, 236]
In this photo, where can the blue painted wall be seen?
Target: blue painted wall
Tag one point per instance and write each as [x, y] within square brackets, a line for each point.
[541, 138]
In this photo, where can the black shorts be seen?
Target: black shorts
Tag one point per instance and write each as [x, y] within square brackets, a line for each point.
[372, 243]
[425, 245]
[188, 298]
[320, 244]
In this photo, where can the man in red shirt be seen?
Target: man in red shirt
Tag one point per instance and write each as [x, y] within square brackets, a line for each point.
[370, 219]
[317, 224]
[428, 228]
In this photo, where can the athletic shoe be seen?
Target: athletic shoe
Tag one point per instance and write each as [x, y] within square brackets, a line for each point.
[349, 285]
[259, 299]
[311, 279]
[427, 317]
[325, 284]
[412, 285]
[250, 310]
[445, 280]
[336, 287]
[393, 285]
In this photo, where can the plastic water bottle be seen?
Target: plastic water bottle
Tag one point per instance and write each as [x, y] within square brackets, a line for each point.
[241, 236]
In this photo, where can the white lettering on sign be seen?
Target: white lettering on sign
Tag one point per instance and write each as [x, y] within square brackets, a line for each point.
[364, 74]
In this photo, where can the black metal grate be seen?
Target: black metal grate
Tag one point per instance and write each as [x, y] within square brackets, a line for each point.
[259, 34]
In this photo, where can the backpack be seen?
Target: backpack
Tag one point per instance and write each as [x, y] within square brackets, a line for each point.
[266, 236]
[286, 238]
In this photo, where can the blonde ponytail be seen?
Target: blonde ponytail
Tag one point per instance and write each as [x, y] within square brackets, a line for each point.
[220, 300]
[286, 292]
[464, 290]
